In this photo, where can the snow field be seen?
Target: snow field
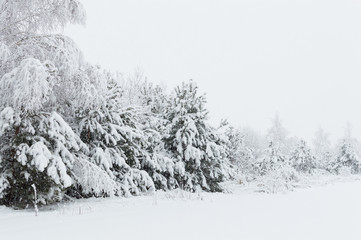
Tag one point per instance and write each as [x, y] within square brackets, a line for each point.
[322, 212]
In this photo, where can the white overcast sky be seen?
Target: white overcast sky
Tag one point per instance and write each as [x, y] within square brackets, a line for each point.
[253, 58]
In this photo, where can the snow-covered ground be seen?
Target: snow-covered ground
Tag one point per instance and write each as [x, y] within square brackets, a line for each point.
[331, 211]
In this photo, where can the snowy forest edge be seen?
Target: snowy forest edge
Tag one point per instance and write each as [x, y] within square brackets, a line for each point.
[69, 129]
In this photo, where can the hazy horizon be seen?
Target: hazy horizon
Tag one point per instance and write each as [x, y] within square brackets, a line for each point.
[300, 59]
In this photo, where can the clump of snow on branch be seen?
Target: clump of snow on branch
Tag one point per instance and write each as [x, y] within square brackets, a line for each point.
[27, 87]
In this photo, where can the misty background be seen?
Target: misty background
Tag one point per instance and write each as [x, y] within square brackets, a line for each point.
[253, 58]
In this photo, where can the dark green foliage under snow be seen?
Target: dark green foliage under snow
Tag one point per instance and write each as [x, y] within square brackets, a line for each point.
[39, 149]
[194, 144]
[74, 130]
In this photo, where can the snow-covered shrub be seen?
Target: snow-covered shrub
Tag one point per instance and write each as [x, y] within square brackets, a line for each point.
[344, 171]
[281, 178]
[274, 173]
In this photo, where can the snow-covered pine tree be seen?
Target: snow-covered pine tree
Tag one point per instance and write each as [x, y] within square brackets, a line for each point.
[239, 154]
[244, 146]
[161, 166]
[193, 142]
[234, 142]
[302, 159]
[39, 74]
[37, 149]
[118, 146]
[275, 172]
[37, 145]
[322, 149]
[347, 159]
[271, 160]
[152, 101]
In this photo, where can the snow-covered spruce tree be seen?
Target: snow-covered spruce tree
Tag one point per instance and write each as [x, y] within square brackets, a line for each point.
[275, 171]
[152, 101]
[161, 166]
[322, 149]
[347, 159]
[117, 144]
[302, 159]
[196, 145]
[244, 146]
[239, 154]
[41, 74]
[234, 145]
[270, 161]
[36, 145]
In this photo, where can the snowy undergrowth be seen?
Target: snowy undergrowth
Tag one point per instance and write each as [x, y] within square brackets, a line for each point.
[275, 183]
